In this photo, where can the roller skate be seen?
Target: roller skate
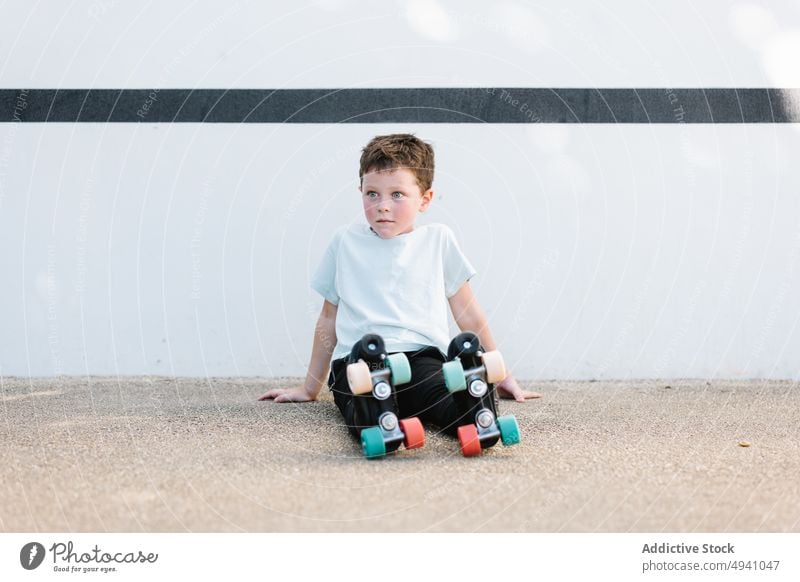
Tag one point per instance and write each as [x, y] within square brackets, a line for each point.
[469, 375]
[372, 376]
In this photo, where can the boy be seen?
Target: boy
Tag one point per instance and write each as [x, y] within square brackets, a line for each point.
[396, 280]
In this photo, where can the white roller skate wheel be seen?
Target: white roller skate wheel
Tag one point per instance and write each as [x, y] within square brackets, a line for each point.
[358, 378]
[485, 418]
[495, 367]
[478, 388]
[382, 390]
[388, 421]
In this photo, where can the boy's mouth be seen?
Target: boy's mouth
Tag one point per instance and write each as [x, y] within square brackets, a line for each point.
[384, 220]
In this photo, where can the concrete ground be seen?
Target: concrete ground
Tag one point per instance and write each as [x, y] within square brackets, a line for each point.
[160, 454]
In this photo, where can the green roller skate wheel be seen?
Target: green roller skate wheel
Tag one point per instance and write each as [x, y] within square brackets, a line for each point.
[509, 430]
[372, 444]
[454, 376]
[401, 369]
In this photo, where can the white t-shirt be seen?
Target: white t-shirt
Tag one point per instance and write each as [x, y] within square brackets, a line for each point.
[396, 287]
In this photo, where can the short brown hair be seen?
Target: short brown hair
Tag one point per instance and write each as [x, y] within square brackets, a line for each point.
[399, 150]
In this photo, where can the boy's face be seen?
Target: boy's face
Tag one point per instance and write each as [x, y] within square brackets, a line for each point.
[392, 199]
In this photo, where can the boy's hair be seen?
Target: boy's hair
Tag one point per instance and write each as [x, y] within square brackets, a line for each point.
[399, 150]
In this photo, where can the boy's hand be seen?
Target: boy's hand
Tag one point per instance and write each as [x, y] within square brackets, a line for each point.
[509, 388]
[287, 395]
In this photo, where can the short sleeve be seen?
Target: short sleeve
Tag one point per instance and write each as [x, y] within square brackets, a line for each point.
[324, 279]
[457, 268]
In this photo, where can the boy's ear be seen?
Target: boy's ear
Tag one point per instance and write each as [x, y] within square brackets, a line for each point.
[427, 197]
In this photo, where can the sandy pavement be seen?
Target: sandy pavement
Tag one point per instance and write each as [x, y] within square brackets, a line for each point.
[202, 455]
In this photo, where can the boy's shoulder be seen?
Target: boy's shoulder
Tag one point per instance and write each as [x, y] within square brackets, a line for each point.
[347, 230]
[438, 227]
[439, 230]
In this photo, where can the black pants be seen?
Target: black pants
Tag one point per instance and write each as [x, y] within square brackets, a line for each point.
[425, 396]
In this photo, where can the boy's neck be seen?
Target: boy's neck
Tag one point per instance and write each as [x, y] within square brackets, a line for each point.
[395, 236]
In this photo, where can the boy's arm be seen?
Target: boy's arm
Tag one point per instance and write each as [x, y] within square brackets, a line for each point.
[321, 352]
[470, 317]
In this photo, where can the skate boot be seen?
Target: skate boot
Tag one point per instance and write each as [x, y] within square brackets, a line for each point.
[372, 376]
[470, 375]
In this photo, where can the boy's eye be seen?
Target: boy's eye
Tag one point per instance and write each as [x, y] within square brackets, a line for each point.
[372, 195]
[397, 195]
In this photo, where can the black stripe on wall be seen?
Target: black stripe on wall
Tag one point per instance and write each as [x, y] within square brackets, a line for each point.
[420, 105]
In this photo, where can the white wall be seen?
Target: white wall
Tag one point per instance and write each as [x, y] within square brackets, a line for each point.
[603, 251]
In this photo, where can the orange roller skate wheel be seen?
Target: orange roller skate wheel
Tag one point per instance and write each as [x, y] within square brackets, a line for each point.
[468, 438]
[414, 433]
